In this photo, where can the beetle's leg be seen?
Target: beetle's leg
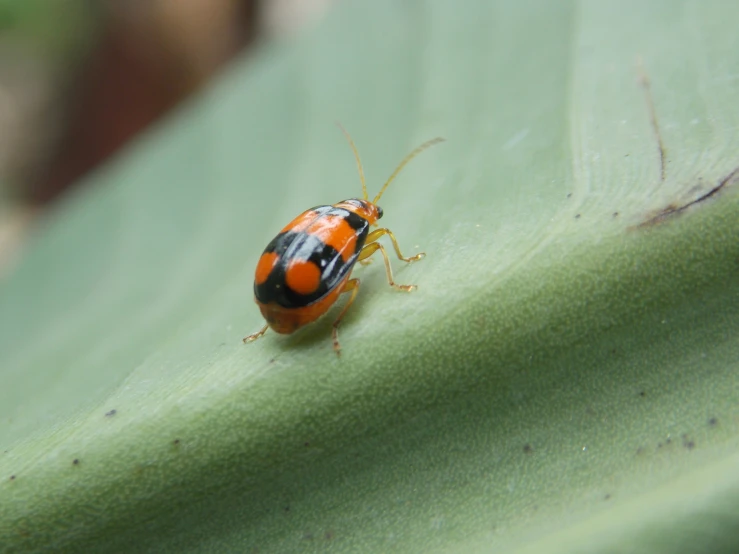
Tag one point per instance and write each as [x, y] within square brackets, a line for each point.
[377, 233]
[369, 249]
[256, 335]
[352, 286]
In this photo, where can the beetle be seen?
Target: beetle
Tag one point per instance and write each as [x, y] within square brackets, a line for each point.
[308, 265]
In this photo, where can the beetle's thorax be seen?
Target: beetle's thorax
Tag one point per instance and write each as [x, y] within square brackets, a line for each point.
[363, 208]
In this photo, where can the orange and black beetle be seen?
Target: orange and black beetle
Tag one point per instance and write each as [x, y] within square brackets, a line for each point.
[305, 268]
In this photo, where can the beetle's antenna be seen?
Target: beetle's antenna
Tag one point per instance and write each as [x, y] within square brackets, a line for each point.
[402, 164]
[356, 155]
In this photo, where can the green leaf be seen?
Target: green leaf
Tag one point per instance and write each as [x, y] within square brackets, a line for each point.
[564, 378]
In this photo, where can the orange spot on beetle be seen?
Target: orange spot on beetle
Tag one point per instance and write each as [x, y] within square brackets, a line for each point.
[337, 233]
[264, 267]
[301, 222]
[302, 276]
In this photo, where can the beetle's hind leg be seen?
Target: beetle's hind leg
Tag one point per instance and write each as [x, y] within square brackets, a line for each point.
[256, 335]
[373, 247]
[377, 233]
[352, 287]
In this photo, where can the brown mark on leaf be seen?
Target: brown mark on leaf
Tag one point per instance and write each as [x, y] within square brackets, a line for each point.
[674, 209]
[646, 86]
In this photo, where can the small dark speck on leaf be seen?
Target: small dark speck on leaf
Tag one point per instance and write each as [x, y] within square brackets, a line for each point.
[659, 445]
[76, 461]
[642, 393]
[689, 444]
[287, 508]
[12, 477]
[577, 216]
[307, 444]
[640, 451]
[527, 448]
[607, 497]
[713, 422]
[111, 413]
[176, 441]
[329, 535]
[668, 441]
[615, 214]
[569, 195]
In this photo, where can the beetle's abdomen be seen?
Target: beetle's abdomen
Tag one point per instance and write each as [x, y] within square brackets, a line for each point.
[310, 257]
